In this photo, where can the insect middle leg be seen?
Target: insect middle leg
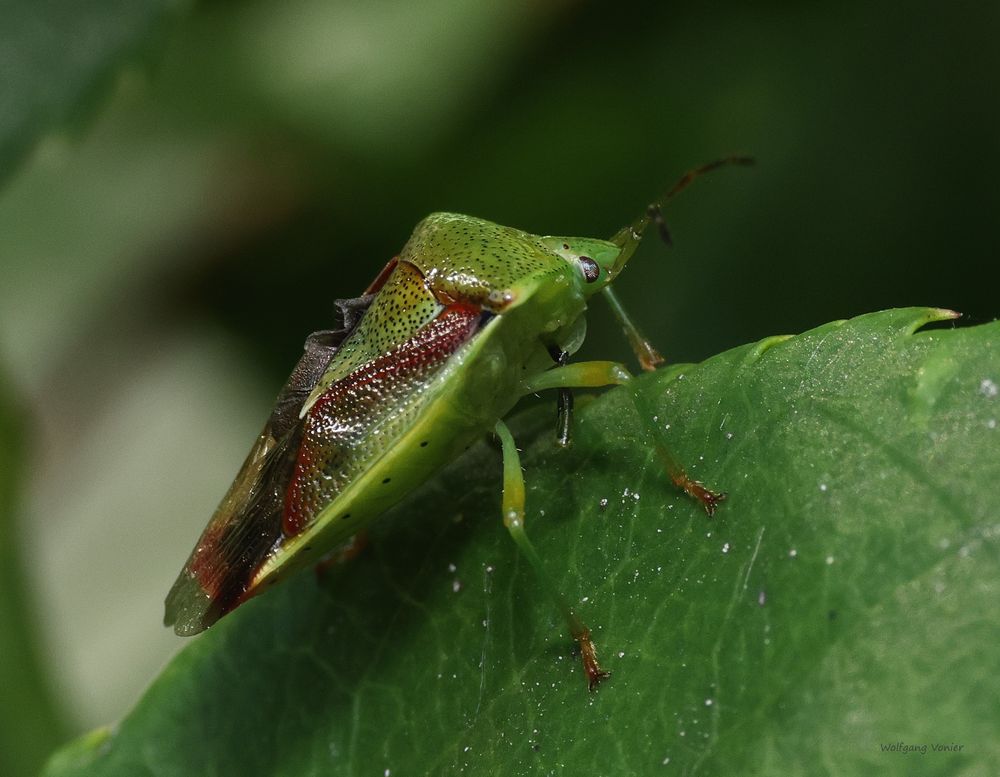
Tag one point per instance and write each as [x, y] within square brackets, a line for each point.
[513, 519]
[708, 498]
[600, 373]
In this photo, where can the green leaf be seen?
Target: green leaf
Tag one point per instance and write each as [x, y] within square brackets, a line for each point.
[58, 54]
[30, 725]
[843, 598]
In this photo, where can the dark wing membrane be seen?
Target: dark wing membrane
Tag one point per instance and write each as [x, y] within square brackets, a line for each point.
[247, 524]
[319, 349]
[241, 535]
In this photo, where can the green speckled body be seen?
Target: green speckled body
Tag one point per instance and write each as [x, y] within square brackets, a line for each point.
[466, 313]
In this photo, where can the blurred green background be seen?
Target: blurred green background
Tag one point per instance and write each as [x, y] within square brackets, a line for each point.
[185, 190]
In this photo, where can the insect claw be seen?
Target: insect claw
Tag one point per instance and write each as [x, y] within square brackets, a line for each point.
[712, 501]
[709, 499]
[594, 677]
[649, 357]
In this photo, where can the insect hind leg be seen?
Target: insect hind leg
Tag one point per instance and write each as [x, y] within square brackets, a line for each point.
[513, 519]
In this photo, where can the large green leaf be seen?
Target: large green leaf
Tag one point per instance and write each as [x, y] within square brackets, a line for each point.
[841, 601]
[55, 54]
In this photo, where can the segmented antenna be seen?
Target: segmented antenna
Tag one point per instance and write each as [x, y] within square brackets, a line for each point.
[629, 237]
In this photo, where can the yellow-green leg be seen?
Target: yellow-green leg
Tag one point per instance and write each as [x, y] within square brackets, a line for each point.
[579, 375]
[600, 373]
[649, 358]
[709, 499]
[513, 519]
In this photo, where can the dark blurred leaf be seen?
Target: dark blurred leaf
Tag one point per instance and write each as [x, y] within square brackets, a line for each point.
[841, 600]
[29, 724]
[55, 55]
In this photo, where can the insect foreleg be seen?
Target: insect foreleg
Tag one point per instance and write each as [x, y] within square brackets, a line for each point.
[513, 519]
[649, 358]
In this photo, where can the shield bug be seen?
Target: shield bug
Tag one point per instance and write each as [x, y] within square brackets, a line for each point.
[467, 319]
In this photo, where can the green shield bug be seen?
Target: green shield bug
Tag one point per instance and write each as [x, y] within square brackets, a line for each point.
[467, 319]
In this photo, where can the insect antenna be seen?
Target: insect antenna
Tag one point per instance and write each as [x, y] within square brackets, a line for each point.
[629, 237]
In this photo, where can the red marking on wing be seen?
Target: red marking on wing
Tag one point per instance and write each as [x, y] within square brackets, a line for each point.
[208, 566]
[347, 408]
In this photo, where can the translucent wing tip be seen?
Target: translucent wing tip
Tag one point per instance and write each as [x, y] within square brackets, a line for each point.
[188, 609]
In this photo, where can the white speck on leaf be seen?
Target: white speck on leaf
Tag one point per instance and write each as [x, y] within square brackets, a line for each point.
[793, 553]
[988, 388]
[725, 548]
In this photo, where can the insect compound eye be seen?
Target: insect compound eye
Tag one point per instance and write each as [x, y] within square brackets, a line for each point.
[591, 270]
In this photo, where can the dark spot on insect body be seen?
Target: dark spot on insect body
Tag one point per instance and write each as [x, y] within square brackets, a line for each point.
[345, 516]
[423, 444]
[308, 547]
[385, 480]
